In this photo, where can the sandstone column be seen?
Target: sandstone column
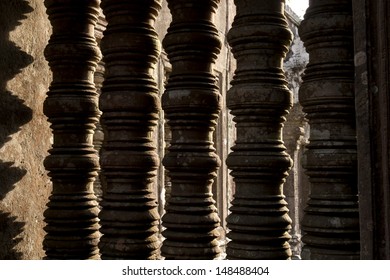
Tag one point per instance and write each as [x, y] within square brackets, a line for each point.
[98, 135]
[293, 132]
[130, 105]
[372, 87]
[259, 100]
[71, 107]
[191, 104]
[331, 220]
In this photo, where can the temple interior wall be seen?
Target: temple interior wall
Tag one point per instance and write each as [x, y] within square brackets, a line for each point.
[25, 136]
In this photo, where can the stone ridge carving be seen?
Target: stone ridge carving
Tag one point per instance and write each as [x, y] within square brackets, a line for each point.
[130, 104]
[331, 221]
[98, 135]
[259, 100]
[71, 107]
[191, 104]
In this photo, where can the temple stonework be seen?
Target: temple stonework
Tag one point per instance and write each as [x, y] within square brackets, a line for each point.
[194, 129]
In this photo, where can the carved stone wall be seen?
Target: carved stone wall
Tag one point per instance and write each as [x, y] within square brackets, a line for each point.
[24, 131]
[372, 84]
[331, 220]
[25, 136]
[294, 131]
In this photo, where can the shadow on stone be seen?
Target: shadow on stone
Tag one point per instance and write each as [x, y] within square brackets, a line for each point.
[13, 114]
[10, 228]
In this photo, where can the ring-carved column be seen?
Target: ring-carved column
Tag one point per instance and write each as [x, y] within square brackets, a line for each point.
[130, 104]
[331, 221]
[259, 100]
[191, 104]
[71, 108]
[98, 134]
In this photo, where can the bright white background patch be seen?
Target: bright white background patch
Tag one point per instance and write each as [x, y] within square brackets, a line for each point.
[298, 6]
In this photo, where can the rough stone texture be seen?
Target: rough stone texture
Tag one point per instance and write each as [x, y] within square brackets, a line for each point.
[72, 109]
[259, 100]
[224, 135]
[294, 133]
[130, 106]
[24, 132]
[331, 220]
[372, 85]
[25, 136]
[191, 104]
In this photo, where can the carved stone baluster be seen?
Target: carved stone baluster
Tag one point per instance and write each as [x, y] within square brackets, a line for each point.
[259, 99]
[293, 133]
[331, 222]
[191, 104]
[71, 107]
[130, 106]
[98, 135]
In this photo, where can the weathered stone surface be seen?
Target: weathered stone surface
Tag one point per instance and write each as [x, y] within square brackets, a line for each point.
[130, 105]
[294, 134]
[223, 135]
[372, 103]
[191, 104]
[24, 132]
[259, 99]
[71, 108]
[331, 221]
[98, 135]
